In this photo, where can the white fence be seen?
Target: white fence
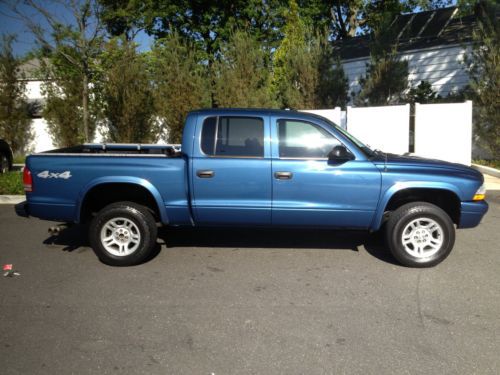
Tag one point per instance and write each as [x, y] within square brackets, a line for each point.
[442, 131]
[383, 128]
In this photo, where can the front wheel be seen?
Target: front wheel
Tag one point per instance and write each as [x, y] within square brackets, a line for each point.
[123, 234]
[420, 234]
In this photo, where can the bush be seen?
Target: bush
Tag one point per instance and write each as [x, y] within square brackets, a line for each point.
[11, 183]
[488, 163]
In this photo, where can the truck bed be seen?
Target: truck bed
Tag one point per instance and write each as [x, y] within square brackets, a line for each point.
[64, 176]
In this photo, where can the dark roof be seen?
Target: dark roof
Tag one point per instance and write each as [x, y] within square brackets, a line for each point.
[416, 31]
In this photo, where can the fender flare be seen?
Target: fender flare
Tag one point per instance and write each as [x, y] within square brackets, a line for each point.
[400, 186]
[122, 180]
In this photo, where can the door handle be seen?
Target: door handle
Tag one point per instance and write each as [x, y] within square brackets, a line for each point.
[283, 175]
[205, 174]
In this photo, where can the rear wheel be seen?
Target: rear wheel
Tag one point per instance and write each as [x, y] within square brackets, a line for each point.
[123, 234]
[420, 234]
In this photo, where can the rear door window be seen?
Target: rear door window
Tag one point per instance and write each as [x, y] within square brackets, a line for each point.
[233, 136]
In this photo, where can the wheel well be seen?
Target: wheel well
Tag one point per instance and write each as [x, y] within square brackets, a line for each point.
[444, 199]
[101, 195]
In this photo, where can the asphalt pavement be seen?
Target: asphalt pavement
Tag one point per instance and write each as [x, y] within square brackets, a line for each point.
[235, 301]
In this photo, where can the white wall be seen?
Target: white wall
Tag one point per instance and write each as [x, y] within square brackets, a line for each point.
[444, 131]
[441, 66]
[42, 140]
[33, 90]
[385, 128]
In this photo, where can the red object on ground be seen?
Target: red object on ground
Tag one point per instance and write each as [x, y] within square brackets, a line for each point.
[7, 267]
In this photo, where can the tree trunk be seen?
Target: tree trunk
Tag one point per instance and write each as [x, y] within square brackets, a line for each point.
[85, 107]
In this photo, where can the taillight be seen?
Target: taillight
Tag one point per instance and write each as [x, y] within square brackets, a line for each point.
[27, 180]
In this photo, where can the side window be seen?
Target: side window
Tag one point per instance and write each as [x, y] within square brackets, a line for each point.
[299, 139]
[233, 136]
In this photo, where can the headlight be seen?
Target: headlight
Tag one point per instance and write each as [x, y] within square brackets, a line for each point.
[480, 193]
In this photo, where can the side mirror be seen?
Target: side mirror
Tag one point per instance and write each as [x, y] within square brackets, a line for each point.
[339, 155]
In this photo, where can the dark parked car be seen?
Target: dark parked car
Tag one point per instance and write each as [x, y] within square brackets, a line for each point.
[6, 157]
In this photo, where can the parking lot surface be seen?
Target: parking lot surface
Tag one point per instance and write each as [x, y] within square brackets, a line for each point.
[241, 301]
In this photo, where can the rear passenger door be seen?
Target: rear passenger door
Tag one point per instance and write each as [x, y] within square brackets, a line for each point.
[231, 171]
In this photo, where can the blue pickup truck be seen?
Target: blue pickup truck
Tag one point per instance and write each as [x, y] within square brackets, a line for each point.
[245, 167]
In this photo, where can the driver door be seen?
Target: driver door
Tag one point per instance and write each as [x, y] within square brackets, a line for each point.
[308, 190]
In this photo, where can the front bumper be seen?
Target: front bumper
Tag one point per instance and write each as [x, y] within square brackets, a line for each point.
[22, 209]
[472, 213]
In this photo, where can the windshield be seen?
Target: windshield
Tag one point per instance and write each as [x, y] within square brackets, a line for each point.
[366, 150]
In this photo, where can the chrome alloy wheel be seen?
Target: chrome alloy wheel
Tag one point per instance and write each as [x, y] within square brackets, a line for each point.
[120, 236]
[422, 237]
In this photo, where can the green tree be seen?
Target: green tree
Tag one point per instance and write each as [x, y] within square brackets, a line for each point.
[207, 23]
[385, 81]
[63, 101]
[484, 68]
[211, 22]
[72, 42]
[242, 75]
[15, 122]
[306, 73]
[423, 93]
[348, 18]
[333, 85]
[126, 94]
[386, 76]
[288, 58]
[180, 82]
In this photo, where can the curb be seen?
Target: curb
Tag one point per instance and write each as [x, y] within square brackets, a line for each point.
[487, 170]
[12, 199]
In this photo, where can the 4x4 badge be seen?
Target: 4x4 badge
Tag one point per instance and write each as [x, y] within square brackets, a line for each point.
[46, 174]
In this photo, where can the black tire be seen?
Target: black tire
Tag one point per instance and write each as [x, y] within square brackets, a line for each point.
[122, 221]
[432, 234]
[4, 163]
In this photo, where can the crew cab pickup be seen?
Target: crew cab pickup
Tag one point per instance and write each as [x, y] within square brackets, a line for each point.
[245, 167]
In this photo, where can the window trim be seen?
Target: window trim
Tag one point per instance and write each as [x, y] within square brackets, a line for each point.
[304, 158]
[216, 133]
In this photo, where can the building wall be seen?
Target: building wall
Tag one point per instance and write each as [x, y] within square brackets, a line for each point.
[442, 67]
[34, 90]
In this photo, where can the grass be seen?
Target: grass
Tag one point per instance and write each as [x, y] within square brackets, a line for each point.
[488, 163]
[11, 183]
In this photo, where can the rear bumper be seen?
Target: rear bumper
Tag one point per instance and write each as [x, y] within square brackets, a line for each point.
[22, 209]
[472, 213]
